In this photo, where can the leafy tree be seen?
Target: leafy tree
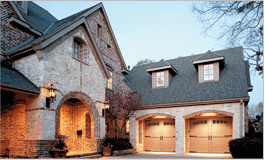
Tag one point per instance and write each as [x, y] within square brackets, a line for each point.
[122, 105]
[241, 23]
[145, 61]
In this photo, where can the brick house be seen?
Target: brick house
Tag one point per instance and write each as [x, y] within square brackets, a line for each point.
[79, 56]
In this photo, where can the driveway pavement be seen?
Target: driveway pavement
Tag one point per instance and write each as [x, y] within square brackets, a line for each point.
[163, 155]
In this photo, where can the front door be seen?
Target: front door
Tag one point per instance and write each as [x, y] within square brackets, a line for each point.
[210, 135]
[160, 135]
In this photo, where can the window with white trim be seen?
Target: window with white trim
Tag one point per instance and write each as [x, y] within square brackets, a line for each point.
[208, 72]
[160, 79]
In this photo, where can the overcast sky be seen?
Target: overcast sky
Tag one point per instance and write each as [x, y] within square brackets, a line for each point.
[155, 30]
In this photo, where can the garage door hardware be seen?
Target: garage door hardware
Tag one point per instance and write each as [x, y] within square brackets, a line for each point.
[227, 135]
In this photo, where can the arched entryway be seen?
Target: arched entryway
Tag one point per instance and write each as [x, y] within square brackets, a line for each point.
[77, 121]
[157, 133]
[208, 132]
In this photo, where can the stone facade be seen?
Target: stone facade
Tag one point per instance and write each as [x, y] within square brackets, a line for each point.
[180, 114]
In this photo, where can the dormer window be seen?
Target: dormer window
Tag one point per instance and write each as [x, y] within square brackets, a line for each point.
[208, 72]
[161, 72]
[160, 77]
[209, 66]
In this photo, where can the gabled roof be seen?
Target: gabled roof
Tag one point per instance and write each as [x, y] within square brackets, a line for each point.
[209, 57]
[185, 87]
[13, 80]
[160, 66]
[57, 29]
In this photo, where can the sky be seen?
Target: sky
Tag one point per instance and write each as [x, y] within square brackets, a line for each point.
[155, 30]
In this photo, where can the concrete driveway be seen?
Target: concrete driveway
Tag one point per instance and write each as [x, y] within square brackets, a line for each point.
[164, 155]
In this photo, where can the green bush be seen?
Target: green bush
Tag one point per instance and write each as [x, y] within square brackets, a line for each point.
[246, 148]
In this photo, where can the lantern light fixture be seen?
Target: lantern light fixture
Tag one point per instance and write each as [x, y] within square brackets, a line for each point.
[52, 93]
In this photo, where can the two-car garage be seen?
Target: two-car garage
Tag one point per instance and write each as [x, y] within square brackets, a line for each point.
[204, 133]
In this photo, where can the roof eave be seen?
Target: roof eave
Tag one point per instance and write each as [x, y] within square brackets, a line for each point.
[209, 60]
[17, 11]
[25, 25]
[12, 88]
[245, 100]
[172, 69]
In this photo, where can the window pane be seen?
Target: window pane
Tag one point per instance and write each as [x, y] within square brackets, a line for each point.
[206, 67]
[210, 77]
[210, 71]
[210, 66]
[205, 77]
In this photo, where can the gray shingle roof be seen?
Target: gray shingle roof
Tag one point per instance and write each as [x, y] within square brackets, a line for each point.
[184, 87]
[209, 54]
[247, 73]
[37, 17]
[14, 79]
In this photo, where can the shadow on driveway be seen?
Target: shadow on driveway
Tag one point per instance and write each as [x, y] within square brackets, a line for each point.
[164, 155]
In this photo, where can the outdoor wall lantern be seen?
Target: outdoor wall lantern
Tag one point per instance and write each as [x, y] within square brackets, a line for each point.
[52, 95]
[105, 108]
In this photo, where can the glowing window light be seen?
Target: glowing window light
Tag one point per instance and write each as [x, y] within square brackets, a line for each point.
[160, 117]
[209, 114]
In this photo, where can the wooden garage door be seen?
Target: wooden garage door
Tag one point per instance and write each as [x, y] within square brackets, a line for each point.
[160, 135]
[210, 135]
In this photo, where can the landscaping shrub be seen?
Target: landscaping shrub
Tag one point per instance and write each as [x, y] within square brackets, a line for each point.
[246, 148]
[117, 144]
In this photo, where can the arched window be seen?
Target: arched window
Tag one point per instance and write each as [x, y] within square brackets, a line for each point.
[109, 81]
[88, 126]
[80, 50]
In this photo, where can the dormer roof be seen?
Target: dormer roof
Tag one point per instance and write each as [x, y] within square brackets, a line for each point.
[209, 57]
[161, 66]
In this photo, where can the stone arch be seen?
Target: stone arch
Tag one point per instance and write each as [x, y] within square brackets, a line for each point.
[205, 111]
[154, 114]
[94, 115]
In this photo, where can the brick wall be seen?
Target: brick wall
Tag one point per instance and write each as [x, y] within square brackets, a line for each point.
[38, 148]
[74, 117]
[10, 35]
[13, 130]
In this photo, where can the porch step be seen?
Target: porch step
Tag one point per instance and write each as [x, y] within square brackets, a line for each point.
[92, 156]
[86, 155]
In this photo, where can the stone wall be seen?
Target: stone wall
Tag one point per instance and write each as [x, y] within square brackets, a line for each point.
[107, 47]
[179, 113]
[55, 65]
[10, 35]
